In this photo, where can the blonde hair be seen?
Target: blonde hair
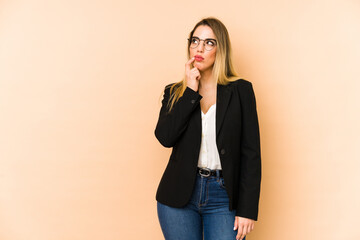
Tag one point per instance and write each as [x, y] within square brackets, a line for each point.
[223, 70]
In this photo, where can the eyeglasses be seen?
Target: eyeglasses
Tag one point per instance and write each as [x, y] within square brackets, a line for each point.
[208, 42]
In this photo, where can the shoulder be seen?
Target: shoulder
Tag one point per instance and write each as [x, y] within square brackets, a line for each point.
[168, 86]
[241, 84]
[244, 88]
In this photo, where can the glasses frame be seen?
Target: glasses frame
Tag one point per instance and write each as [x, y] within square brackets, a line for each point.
[189, 39]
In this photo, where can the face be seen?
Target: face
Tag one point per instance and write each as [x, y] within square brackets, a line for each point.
[203, 32]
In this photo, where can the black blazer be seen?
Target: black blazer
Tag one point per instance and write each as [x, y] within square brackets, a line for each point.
[237, 139]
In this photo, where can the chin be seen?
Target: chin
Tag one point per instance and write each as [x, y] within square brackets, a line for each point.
[201, 67]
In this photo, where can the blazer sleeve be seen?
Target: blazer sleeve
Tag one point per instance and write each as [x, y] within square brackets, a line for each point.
[250, 172]
[171, 125]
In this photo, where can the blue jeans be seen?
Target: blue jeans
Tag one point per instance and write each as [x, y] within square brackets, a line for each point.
[206, 216]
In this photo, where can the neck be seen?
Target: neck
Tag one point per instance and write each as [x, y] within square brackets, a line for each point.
[206, 79]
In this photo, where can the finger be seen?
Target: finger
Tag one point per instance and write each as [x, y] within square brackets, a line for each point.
[249, 229]
[244, 232]
[240, 233]
[188, 63]
[235, 223]
[195, 70]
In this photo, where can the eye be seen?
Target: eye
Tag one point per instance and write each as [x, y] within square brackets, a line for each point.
[194, 40]
[210, 42]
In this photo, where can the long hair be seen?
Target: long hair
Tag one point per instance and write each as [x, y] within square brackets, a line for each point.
[223, 70]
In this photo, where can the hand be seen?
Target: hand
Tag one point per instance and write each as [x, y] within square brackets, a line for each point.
[192, 76]
[244, 226]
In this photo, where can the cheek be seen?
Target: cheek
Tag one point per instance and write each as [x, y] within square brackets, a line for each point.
[212, 57]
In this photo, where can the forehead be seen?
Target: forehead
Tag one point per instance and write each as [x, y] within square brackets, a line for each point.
[204, 32]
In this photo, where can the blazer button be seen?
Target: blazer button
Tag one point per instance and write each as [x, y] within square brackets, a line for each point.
[193, 101]
[222, 151]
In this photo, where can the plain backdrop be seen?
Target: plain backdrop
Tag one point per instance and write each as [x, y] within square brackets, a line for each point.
[80, 90]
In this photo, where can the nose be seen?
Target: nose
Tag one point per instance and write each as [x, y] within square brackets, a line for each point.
[200, 47]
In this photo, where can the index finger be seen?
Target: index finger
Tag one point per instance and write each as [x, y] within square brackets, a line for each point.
[187, 65]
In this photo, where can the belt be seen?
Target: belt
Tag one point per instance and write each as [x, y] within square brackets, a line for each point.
[206, 172]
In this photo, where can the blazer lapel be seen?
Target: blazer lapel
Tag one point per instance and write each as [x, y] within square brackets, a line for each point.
[222, 102]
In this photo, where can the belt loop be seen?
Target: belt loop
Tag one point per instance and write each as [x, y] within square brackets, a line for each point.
[217, 173]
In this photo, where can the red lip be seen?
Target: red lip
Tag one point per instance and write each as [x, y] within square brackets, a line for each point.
[199, 58]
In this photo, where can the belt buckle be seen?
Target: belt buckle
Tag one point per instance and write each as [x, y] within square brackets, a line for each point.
[206, 169]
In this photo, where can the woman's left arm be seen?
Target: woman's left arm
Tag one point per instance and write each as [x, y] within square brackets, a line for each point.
[250, 172]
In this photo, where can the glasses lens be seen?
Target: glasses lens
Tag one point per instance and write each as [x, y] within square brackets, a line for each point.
[209, 44]
[194, 42]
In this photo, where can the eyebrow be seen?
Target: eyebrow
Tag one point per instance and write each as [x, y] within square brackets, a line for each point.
[205, 38]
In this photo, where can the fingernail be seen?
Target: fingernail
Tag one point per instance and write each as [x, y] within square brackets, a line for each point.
[234, 228]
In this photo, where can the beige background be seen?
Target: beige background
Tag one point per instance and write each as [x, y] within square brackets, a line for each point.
[80, 90]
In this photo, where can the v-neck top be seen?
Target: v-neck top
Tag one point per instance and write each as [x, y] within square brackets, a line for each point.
[209, 155]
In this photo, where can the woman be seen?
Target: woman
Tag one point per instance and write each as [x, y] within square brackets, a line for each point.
[211, 185]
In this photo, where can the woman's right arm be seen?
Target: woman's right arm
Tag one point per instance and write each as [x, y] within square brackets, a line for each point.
[171, 125]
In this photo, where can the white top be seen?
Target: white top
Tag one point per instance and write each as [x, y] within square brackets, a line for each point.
[209, 155]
